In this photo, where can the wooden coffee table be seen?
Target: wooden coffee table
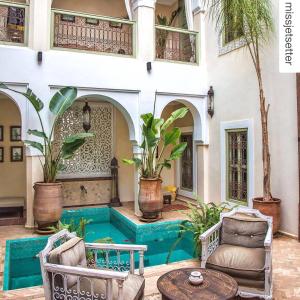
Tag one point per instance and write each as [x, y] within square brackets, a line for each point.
[175, 285]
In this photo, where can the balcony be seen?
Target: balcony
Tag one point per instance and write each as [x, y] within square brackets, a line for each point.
[72, 30]
[175, 44]
[12, 23]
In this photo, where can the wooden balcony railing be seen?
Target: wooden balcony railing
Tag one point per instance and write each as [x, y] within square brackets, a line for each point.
[176, 44]
[12, 23]
[92, 33]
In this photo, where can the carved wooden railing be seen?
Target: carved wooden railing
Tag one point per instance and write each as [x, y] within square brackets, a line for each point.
[76, 31]
[176, 44]
[13, 23]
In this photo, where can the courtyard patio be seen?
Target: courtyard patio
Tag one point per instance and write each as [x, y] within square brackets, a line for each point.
[286, 263]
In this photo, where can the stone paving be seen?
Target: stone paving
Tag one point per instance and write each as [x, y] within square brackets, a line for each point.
[286, 269]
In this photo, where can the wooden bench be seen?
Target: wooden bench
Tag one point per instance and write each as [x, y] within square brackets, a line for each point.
[12, 203]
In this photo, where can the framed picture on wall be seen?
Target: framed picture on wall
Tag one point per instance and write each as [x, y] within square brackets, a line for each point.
[15, 133]
[67, 18]
[16, 153]
[92, 21]
[1, 133]
[1, 154]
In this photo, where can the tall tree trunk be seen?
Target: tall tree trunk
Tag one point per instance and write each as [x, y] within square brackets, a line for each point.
[267, 196]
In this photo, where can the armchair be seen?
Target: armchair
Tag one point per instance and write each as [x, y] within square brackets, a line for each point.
[241, 246]
[66, 274]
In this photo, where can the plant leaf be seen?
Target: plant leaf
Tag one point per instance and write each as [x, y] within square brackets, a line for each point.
[72, 143]
[62, 100]
[177, 151]
[35, 145]
[177, 114]
[172, 136]
[33, 98]
[37, 133]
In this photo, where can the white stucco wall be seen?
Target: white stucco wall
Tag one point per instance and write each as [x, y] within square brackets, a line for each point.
[236, 98]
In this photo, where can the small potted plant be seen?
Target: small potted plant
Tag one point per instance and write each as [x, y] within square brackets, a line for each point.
[152, 161]
[47, 207]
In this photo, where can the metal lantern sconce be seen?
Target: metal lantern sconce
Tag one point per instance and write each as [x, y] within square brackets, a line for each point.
[210, 102]
[86, 117]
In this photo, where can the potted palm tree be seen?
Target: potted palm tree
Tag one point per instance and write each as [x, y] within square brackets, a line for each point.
[255, 19]
[48, 195]
[152, 161]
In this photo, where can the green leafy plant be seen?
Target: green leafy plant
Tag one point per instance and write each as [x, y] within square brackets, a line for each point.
[256, 19]
[154, 132]
[200, 218]
[80, 229]
[60, 102]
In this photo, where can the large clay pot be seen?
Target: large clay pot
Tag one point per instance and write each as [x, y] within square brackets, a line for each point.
[269, 208]
[47, 206]
[150, 199]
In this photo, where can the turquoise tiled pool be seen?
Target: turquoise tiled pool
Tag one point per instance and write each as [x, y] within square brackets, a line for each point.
[22, 269]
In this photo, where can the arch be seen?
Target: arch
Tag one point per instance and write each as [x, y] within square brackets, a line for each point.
[128, 117]
[21, 104]
[196, 107]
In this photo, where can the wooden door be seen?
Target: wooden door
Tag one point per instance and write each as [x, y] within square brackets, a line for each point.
[186, 172]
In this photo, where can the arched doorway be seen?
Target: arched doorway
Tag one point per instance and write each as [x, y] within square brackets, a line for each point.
[183, 173]
[87, 177]
[12, 164]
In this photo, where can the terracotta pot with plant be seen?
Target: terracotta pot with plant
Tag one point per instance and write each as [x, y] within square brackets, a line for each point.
[253, 18]
[151, 163]
[47, 207]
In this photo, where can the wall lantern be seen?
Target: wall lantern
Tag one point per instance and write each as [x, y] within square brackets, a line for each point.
[210, 102]
[86, 117]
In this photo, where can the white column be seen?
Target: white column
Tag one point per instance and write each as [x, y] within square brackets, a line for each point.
[39, 24]
[143, 14]
[136, 178]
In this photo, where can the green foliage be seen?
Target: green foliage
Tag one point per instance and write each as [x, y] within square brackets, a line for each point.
[154, 132]
[60, 102]
[80, 230]
[201, 217]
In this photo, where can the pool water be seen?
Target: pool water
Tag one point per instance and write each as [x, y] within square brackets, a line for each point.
[22, 269]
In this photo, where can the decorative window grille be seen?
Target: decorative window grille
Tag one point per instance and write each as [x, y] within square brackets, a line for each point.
[94, 157]
[237, 157]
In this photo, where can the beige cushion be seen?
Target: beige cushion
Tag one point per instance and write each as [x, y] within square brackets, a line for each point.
[71, 253]
[244, 230]
[133, 287]
[239, 262]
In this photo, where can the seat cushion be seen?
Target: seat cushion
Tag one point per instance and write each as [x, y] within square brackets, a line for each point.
[244, 230]
[133, 287]
[239, 262]
[71, 253]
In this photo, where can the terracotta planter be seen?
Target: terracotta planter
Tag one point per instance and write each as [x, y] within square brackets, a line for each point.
[269, 208]
[47, 206]
[150, 199]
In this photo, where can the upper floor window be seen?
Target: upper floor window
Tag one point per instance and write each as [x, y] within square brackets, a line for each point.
[233, 27]
[12, 24]
[173, 39]
[237, 165]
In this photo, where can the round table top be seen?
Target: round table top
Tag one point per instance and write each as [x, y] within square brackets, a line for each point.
[175, 285]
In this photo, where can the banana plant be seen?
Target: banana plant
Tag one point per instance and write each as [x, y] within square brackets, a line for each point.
[60, 102]
[155, 133]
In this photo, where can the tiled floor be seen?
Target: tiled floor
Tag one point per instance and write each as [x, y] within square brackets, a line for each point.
[286, 266]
